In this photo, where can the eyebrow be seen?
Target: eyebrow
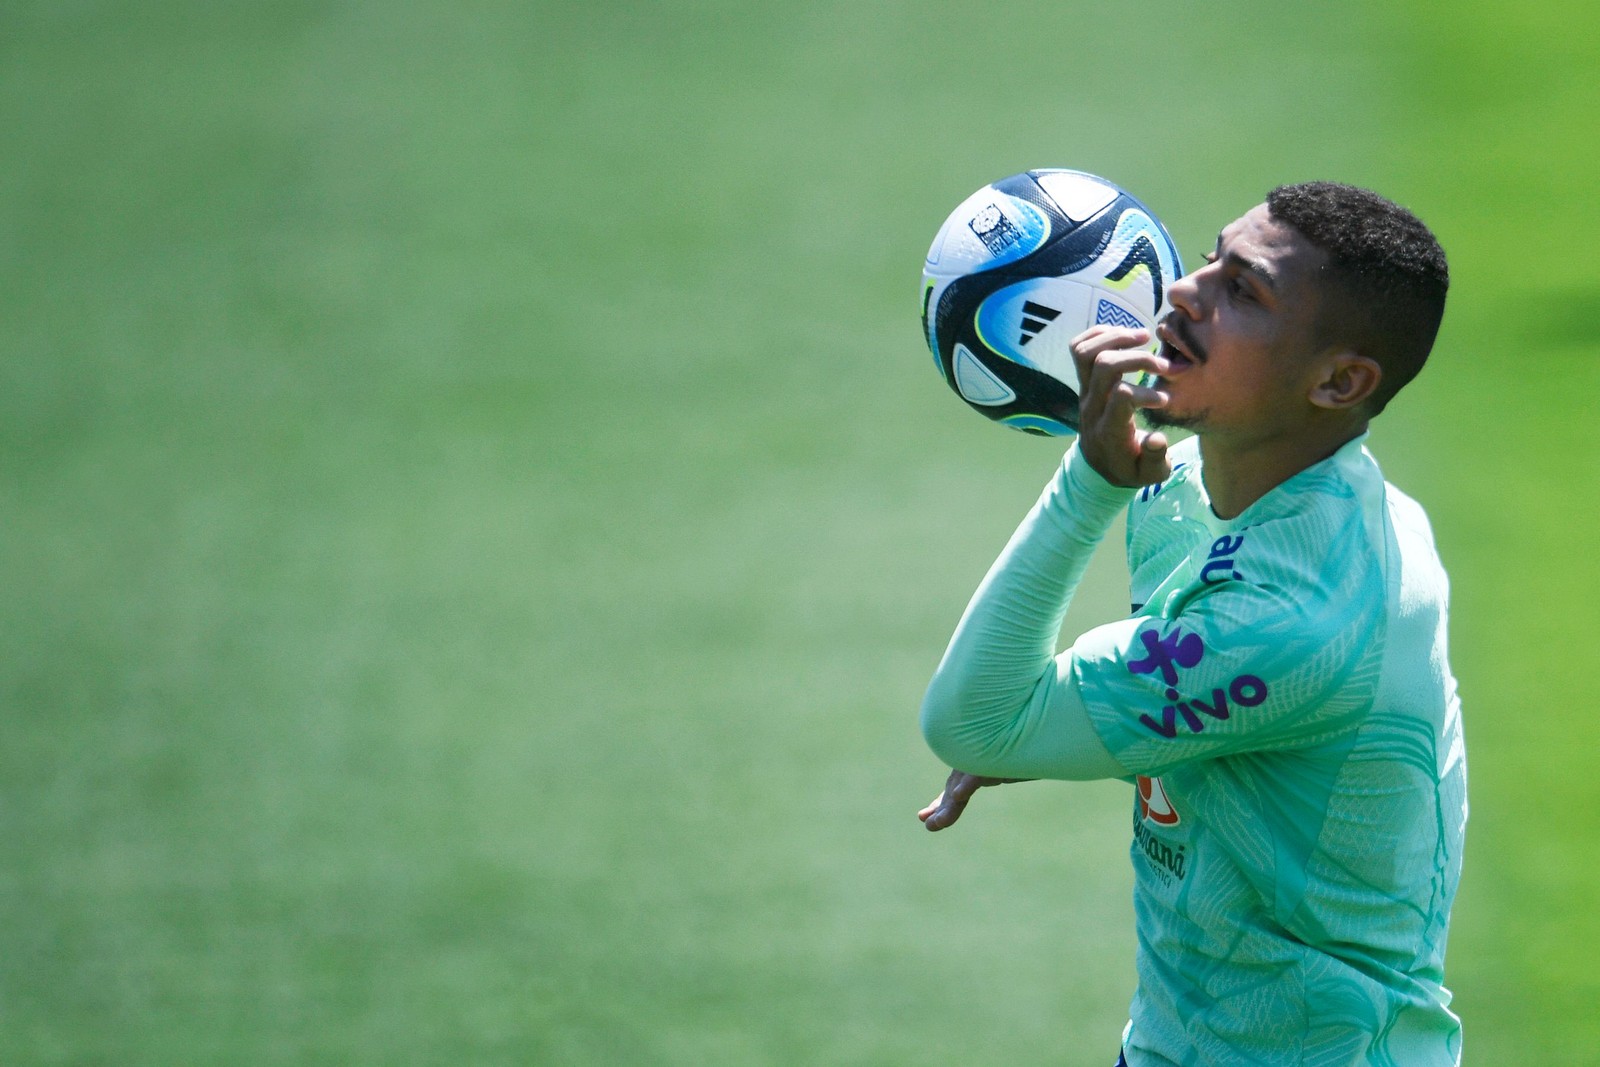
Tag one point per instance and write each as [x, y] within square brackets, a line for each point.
[1253, 266]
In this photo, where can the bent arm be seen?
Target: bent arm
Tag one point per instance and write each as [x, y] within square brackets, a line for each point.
[1001, 703]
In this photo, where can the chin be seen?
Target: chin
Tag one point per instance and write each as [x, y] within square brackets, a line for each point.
[1161, 419]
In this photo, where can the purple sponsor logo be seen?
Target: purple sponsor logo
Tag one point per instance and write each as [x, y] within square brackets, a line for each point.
[1219, 563]
[1168, 653]
[1175, 649]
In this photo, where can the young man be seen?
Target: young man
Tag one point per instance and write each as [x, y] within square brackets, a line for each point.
[1281, 693]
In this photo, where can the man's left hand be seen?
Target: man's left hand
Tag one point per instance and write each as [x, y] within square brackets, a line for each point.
[958, 789]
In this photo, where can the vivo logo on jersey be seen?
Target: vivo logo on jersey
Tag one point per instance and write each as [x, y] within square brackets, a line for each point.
[1166, 654]
[1246, 691]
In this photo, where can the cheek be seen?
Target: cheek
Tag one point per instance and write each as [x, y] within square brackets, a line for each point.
[1271, 345]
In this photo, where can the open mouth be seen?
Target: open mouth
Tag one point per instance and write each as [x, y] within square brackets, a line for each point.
[1176, 349]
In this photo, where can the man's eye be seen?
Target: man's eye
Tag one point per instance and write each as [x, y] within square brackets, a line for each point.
[1238, 289]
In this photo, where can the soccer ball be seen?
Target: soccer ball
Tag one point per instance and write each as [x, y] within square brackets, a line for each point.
[1023, 266]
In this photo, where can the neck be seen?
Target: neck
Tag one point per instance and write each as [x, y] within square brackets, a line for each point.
[1237, 472]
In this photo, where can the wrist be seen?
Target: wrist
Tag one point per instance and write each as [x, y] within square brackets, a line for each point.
[1085, 479]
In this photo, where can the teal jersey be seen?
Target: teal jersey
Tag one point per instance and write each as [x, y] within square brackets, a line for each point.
[1281, 698]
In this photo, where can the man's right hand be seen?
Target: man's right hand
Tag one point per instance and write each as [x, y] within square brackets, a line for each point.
[1110, 441]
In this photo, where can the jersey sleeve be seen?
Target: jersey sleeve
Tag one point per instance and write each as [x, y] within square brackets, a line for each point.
[997, 704]
[1282, 653]
[1277, 653]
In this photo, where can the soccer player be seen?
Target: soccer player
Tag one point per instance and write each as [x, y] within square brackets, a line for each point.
[1280, 694]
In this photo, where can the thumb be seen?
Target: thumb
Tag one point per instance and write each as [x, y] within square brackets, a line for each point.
[1153, 463]
[946, 810]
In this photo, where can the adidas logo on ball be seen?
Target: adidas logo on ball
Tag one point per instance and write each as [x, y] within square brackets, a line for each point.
[1035, 317]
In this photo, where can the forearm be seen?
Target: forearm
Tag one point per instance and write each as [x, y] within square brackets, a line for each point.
[997, 704]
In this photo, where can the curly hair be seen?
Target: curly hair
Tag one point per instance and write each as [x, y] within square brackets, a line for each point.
[1385, 276]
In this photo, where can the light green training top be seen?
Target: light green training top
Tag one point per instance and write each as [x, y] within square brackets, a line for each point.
[1282, 698]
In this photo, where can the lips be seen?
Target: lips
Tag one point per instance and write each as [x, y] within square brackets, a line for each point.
[1179, 350]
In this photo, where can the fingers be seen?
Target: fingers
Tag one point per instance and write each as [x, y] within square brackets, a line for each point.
[1097, 339]
[1123, 397]
[1123, 342]
[1107, 401]
[944, 811]
[935, 816]
[1153, 465]
[1104, 356]
[958, 790]
[1154, 447]
[948, 805]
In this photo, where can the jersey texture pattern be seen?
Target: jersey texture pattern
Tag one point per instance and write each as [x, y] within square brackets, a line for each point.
[1282, 699]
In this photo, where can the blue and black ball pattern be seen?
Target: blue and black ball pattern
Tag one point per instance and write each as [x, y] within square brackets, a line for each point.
[1029, 276]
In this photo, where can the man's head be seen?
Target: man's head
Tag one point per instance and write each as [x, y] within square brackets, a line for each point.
[1384, 281]
[1313, 310]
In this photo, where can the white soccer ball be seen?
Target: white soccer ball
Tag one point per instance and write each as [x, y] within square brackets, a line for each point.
[1020, 268]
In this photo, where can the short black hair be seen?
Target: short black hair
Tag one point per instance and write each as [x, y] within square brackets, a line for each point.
[1386, 276]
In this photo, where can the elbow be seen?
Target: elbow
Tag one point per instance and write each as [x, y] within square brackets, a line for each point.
[940, 707]
[944, 726]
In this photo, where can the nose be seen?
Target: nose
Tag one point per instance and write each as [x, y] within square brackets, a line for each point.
[1184, 296]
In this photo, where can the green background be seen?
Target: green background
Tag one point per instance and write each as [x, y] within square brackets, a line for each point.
[477, 515]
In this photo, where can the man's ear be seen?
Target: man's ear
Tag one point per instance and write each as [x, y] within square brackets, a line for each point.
[1347, 379]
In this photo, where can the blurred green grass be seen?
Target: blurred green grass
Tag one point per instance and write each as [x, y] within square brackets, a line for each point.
[479, 517]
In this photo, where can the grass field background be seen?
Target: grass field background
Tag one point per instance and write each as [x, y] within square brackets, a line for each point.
[476, 514]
